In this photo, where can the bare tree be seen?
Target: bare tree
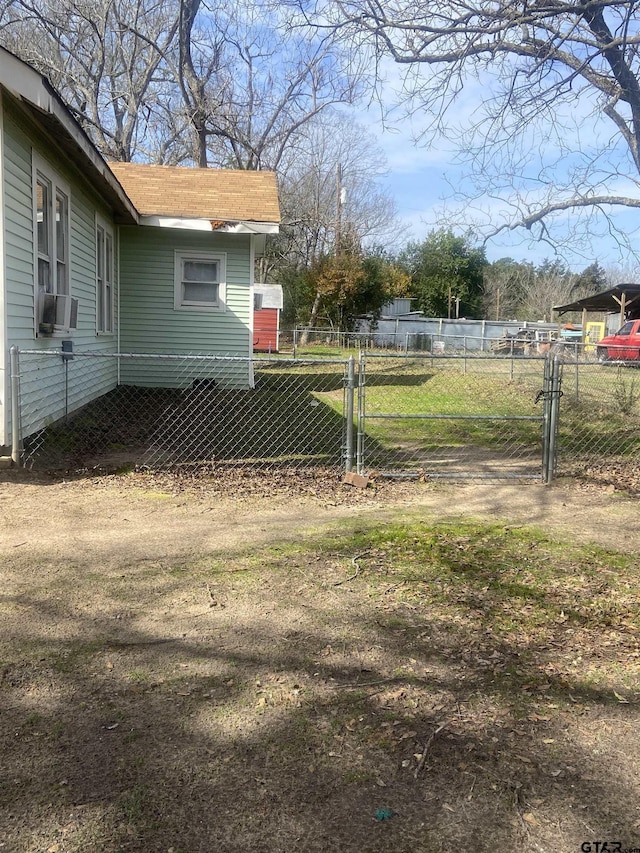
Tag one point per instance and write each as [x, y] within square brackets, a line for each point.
[330, 180]
[505, 288]
[309, 190]
[229, 85]
[544, 72]
[622, 274]
[197, 72]
[552, 285]
[271, 80]
[105, 58]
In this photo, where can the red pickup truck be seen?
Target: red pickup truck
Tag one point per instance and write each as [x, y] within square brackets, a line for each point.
[623, 346]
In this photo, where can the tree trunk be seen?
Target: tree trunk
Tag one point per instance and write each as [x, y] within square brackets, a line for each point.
[201, 134]
[315, 308]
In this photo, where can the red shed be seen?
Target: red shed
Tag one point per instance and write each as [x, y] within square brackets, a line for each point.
[267, 304]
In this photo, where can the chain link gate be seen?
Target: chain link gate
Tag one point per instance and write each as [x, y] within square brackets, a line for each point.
[458, 416]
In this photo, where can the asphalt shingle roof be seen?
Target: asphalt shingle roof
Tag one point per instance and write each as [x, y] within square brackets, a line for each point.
[215, 194]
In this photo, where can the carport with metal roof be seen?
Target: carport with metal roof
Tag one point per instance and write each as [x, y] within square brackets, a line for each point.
[624, 298]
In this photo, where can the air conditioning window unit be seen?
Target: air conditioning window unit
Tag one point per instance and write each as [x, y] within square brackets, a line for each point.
[47, 313]
[57, 312]
[73, 312]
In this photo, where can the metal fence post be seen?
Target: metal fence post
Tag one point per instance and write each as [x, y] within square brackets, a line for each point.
[556, 393]
[361, 413]
[351, 373]
[16, 431]
[546, 416]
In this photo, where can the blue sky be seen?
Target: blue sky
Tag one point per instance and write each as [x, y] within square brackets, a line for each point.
[423, 179]
[422, 189]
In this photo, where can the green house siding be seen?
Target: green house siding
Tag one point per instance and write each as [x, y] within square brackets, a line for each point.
[49, 390]
[144, 314]
[151, 324]
[18, 236]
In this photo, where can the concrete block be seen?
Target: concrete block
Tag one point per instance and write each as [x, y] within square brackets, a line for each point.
[353, 479]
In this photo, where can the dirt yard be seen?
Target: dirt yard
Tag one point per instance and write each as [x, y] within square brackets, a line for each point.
[190, 665]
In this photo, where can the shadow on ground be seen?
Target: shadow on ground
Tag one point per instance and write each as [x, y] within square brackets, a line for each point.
[230, 706]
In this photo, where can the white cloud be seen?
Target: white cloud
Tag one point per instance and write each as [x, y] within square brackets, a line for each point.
[426, 177]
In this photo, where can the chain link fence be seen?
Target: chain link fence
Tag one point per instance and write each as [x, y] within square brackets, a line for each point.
[322, 342]
[439, 415]
[199, 410]
[453, 337]
[599, 420]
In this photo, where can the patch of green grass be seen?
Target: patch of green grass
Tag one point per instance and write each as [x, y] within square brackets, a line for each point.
[57, 728]
[511, 590]
[67, 658]
[599, 412]
[358, 776]
[504, 565]
[246, 567]
[138, 676]
[323, 351]
[514, 577]
[135, 804]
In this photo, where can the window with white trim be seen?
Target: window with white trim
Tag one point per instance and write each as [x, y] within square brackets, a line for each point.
[200, 281]
[104, 279]
[51, 249]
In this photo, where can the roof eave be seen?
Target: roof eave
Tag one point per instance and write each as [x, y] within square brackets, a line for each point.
[220, 226]
[34, 92]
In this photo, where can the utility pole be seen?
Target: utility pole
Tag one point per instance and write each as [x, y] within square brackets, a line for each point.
[340, 199]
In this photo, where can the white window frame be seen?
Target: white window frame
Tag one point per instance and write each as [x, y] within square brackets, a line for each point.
[105, 288]
[43, 173]
[182, 255]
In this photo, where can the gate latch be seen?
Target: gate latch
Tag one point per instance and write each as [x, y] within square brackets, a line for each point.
[545, 395]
